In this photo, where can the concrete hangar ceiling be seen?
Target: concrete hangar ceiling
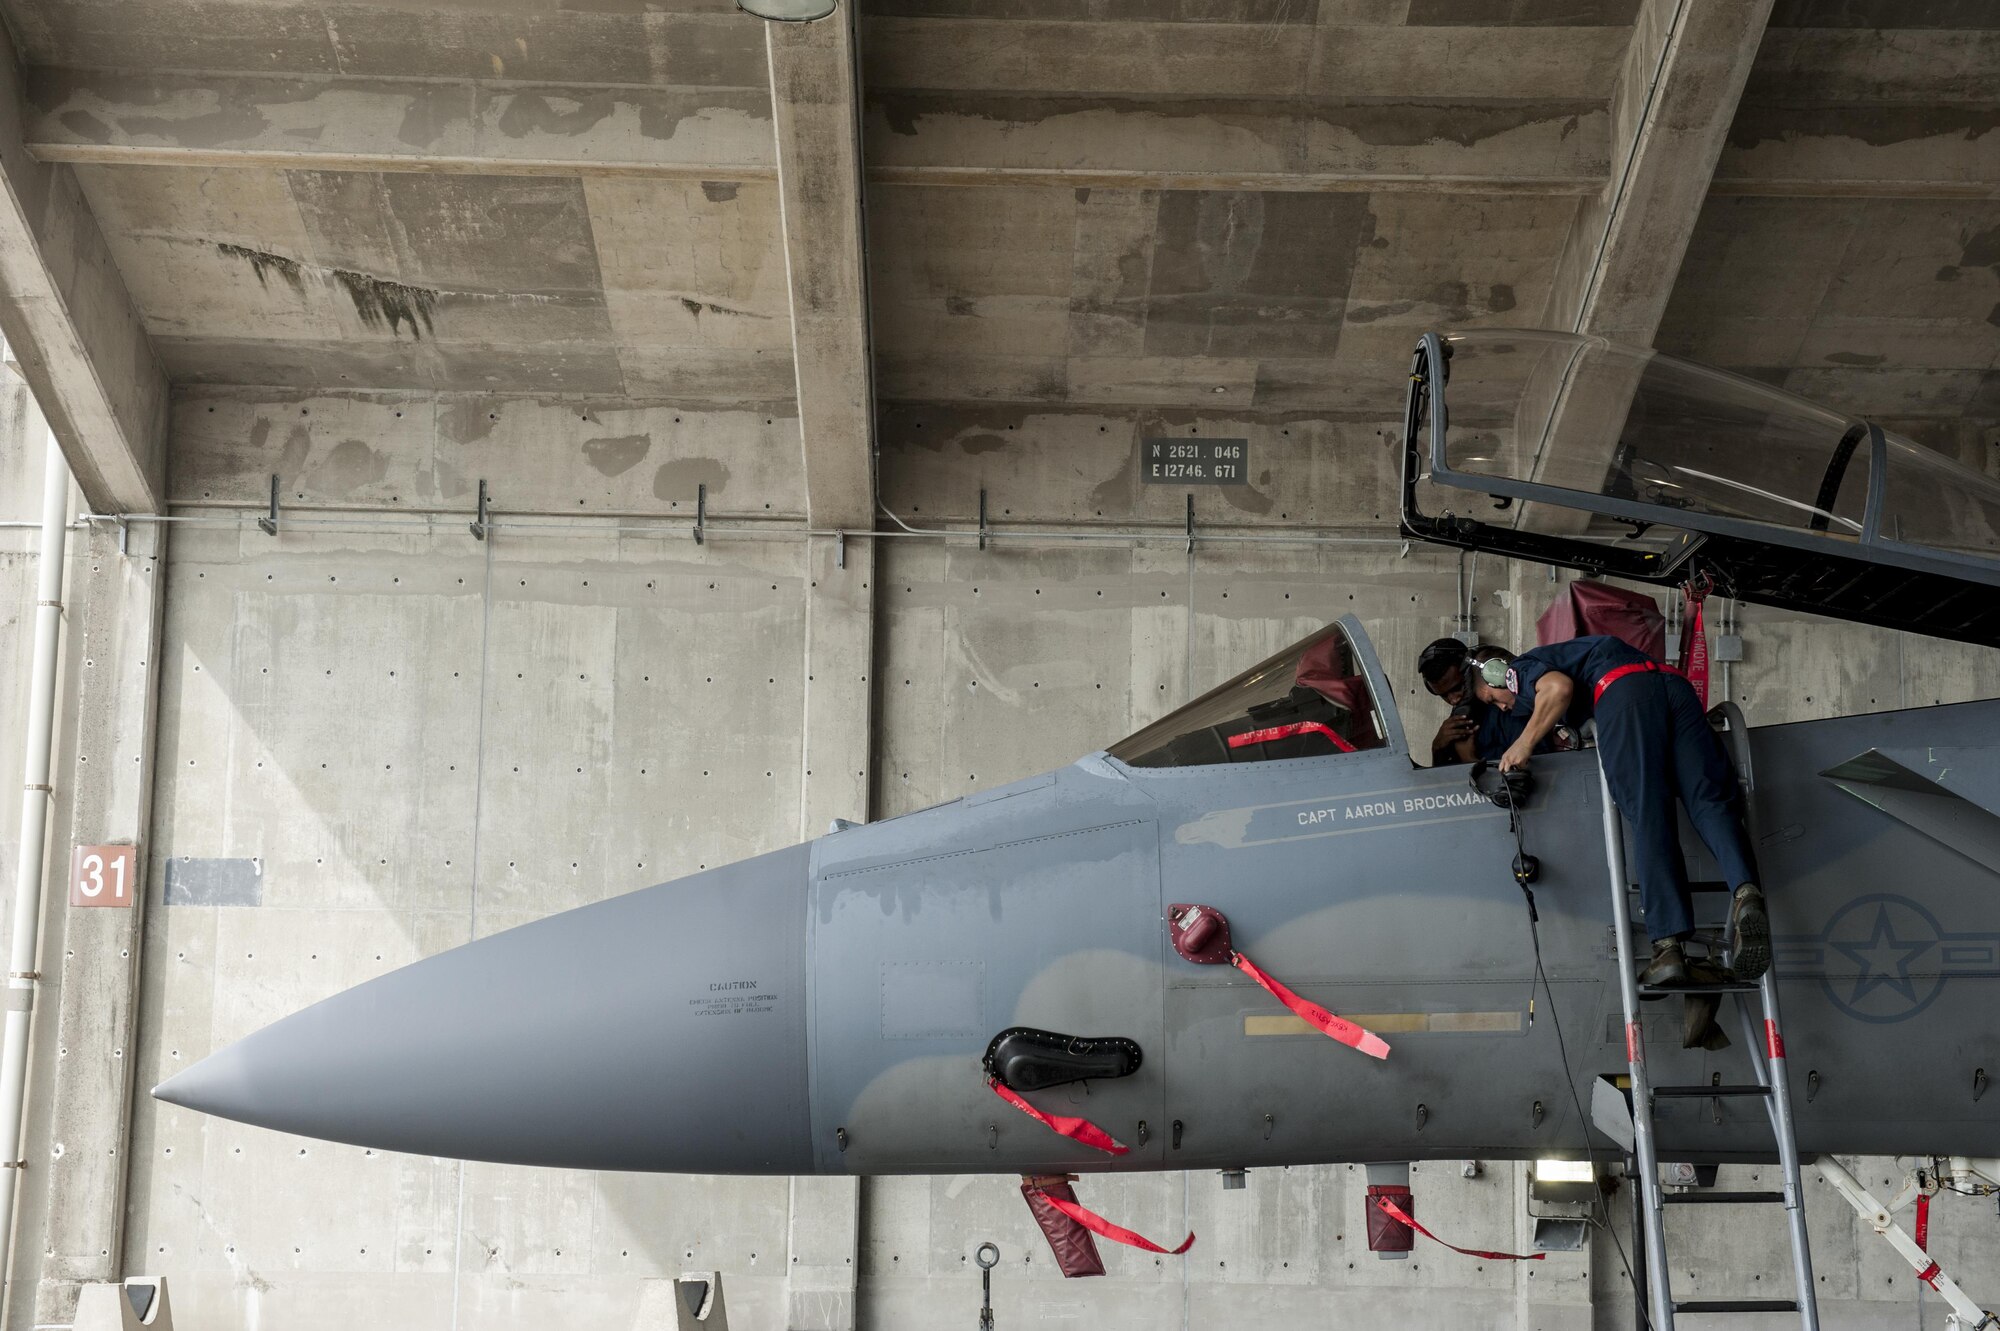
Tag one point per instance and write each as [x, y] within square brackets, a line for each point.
[1085, 221]
[611, 256]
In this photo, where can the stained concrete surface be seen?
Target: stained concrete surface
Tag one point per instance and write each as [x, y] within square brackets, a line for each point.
[388, 250]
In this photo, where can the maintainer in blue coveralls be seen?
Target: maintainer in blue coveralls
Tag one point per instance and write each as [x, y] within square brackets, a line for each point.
[1656, 746]
[1472, 731]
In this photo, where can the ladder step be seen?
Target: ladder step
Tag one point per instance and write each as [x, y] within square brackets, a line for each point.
[1710, 1198]
[1676, 990]
[1706, 1092]
[1710, 887]
[1736, 1306]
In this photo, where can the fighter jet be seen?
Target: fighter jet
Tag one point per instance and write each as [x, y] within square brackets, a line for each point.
[1023, 979]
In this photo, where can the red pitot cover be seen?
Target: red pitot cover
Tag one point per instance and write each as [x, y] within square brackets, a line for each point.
[1074, 1249]
[1588, 608]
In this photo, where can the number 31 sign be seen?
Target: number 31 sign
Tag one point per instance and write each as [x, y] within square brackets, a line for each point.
[101, 876]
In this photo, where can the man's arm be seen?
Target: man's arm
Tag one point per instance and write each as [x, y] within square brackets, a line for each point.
[1553, 690]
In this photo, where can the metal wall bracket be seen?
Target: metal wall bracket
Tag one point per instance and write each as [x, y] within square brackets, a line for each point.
[1190, 523]
[268, 524]
[701, 516]
[481, 524]
[840, 549]
[982, 518]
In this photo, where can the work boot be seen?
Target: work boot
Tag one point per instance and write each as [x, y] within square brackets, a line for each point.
[1699, 1029]
[1750, 926]
[1668, 967]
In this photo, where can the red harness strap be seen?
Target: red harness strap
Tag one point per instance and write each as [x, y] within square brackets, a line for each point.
[1400, 1216]
[1929, 1275]
[1097, 1224]
[1076, 1129]
[1290, 731]
[1338, 1028]
[1617, 673]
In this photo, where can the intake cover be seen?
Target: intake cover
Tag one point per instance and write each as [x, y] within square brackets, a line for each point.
[1025, 1059]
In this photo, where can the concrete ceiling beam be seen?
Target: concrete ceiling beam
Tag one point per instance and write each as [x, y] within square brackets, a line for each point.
[1863, 150]
[1275, 182]
[1546, 146]
[1549, 146]
[968, 57]
[1676, 96]
[345, 124]
[814, 96]
[71, 324]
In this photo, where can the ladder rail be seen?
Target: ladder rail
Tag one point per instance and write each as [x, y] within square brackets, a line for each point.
[1653, 1238]
[1773, 1065]
[1767, 1056]
[1765, 1050]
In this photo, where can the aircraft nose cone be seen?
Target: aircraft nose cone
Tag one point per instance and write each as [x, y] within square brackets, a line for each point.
[663, 1030]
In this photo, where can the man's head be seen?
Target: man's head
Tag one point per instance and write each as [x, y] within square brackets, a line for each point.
[1490, 677]
[1451, 671]
[1442, 666]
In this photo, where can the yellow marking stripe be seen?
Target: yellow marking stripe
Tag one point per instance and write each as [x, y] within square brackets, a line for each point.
[1397, 1023]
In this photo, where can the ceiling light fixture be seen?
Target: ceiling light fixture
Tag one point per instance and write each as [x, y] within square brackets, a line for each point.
[787, 11]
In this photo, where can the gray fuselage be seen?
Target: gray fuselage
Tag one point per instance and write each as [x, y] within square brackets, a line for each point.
[825, 1008]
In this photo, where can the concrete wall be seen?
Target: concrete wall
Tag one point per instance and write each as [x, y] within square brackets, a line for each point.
[24, 434]
[375, 747]
[381, 738]
[20, 502]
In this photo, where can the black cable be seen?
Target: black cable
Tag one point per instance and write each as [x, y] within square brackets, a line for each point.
[1569, 1077]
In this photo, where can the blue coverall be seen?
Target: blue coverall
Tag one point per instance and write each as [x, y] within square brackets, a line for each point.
[1655, 744]
[1497, 732]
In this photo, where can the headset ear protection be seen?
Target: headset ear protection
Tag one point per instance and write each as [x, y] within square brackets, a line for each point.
[1509, 790]
[1493, 672]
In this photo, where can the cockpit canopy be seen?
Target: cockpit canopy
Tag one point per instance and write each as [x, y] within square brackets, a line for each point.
[1309, 700]
[1619, 460]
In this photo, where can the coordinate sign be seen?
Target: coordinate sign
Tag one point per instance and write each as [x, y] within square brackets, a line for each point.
[102, 876]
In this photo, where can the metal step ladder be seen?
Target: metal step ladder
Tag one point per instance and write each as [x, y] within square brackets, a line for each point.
[1766, 1050]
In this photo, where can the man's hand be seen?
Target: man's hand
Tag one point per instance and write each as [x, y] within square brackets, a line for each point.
[1517, 755]
[1454, 730]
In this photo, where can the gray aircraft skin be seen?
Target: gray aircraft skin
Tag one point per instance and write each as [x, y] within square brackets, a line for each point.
[825, 1009]
[751, 1019]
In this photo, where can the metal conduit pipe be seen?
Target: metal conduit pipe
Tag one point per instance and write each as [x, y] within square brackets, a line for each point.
[22, 978]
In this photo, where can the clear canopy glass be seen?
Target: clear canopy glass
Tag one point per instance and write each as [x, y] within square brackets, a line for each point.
[1309, 700]
[1623, 462]
[1592, 440]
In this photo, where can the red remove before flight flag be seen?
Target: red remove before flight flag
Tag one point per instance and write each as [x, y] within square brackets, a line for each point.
[1076, 1129]
[1402, 1217]
[1338, 1028]
[1097, 1224]
[1694, 642]
[1929, 1275]
[1201, 935]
